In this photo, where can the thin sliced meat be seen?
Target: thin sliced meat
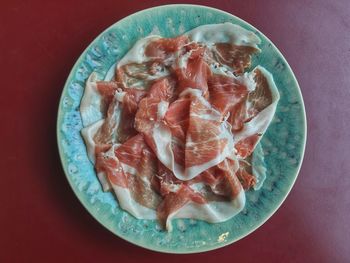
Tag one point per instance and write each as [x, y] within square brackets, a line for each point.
[167, 181]
[244, 174]
[177, 117]
[139, 163]
[236, 57]
[226, 92]
[221, 179]
[246, 146]
[238, 116]
[227, 182]
[141, 75]
[130, 151]
[107, 163]
[107, 90]
[162, 89]
[208, 140]
[140, 183]
[152, 110]
[130, 99]
[194, 72]
[173, 133]
[259, 112]
[107, 133]
[175, 201]
[261, 97]
[247, 180]
[91, 102]
[162, 48]
[149, 118]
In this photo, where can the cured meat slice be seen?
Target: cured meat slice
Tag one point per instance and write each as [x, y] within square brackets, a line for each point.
[148, 60]
[107, 133]
[226, 92]
[229, 44]
[193, 71]
[174, 132]
[222, 179]
[188, 201]
[107, 90]
[238, 116]
[173, 202]
[209, 139]
[129, 99]
[244, 174]
[246, 146]
[140, 164]
[162, 48]
[88, 134]
[177, 117]
[130, 168]
[236, 57]
[162, 89]
[141, 75]
[151, 112]
[91, 103]
[261, 112]
[110, 166]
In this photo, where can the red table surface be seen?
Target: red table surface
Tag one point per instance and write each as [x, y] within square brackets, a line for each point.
[41, 220]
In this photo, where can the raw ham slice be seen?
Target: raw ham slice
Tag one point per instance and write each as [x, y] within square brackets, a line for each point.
[91, 103]
[236, 57]
[263, 111]
[96, 99]
[222, 179]
[174, 132]
[209, 140]
[140, 76]
[173, 202]
[244, 174]
[88, 134]
[130, 167]
[180, 199]
[148, 60]
[162, 48]
[110, 166]
[137, 53]
[193, 71]
[246, 146]
[177, 117]
[129, 99]
[107, 90]
[226, 92]
[212, 212]
[151, 113]
[107, 133]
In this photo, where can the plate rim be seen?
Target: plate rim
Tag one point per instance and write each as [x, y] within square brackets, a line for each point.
[179, 251]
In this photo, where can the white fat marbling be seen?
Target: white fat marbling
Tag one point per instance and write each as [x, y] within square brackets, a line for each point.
[260, 123]
[224, 33]
[137, 53]
[88, 134]
[90, 105]
[212, 212]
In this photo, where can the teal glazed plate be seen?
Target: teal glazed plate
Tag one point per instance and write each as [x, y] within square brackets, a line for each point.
[281, 149]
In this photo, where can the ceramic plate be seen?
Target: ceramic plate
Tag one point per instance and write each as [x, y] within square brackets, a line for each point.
[282, 145]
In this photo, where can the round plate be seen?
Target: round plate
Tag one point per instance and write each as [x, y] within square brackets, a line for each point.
[283, 144]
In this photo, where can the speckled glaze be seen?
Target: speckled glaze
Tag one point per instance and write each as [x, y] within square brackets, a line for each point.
[282, 145]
